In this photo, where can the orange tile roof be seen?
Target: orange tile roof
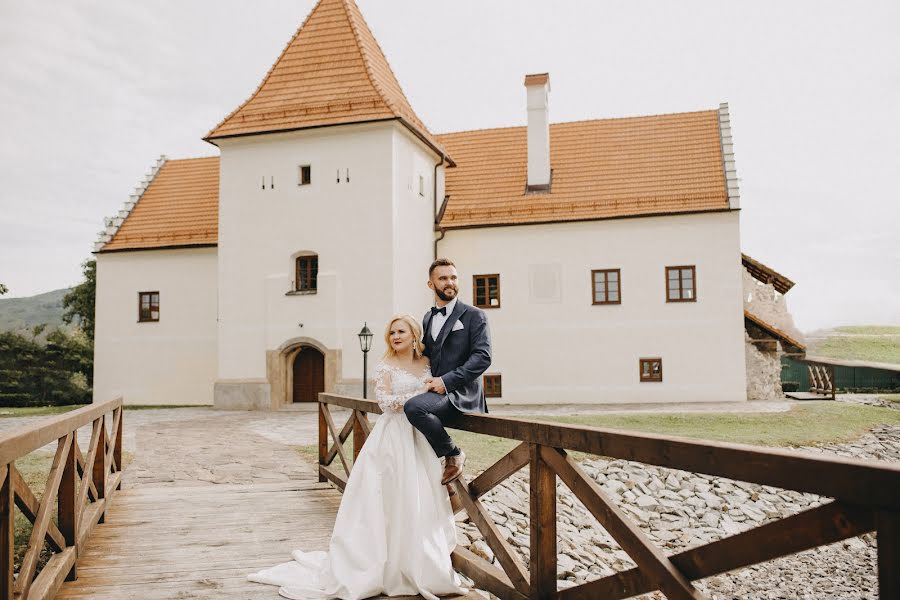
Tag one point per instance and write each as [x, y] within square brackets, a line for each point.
[179, 208]
[600, 169]
[331, 72]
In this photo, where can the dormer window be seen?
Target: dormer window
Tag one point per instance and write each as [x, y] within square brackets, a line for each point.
[307, 274]
[304, 175]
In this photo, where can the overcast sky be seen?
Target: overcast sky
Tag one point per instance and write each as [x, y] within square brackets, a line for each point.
[92, 92]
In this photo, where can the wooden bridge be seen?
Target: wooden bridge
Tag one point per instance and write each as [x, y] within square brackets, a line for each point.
[200, 542]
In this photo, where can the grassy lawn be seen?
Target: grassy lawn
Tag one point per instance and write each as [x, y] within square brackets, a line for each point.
[807, 424]
[890, 397]
[870, 329]
[884, 349]
[8, 412]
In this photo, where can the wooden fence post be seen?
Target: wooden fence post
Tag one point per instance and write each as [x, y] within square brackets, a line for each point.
[68, 520]
[100, 467]
[7, 532]
[117, 451]
[323, 440]
[888, 528]
[542, 566]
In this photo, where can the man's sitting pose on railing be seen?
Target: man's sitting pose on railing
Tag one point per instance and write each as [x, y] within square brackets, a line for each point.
[458, 343]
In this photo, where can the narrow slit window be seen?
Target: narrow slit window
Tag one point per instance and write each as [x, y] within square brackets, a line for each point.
[651, 369]
[421, 185]
[607, 286]
[681, 284]
[492, 386]
[305, 175]
[487, 291]
[148, 307]
[307, 274]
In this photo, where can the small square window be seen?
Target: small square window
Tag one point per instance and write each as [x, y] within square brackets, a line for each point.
[681, 284]
[492, 386]
[606, 286]
[305, 175]
[651, 369]
[487, 291]
[148, 307]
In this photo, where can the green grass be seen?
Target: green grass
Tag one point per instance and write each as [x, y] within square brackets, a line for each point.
[870, 329]
[808, 424]
[8, 412]
[163, 406]
[890, 397]
[885, 349]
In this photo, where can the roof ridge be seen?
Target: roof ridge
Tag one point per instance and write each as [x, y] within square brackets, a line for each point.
[113, 224]
[576, 121]
[365, 56]
[267, 75]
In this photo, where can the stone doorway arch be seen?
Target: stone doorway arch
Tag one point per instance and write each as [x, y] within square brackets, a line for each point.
[281, 364]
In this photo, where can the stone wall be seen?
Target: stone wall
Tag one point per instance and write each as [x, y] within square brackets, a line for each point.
[763, 372]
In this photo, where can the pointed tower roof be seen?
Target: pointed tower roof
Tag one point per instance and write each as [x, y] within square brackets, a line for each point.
[332, 72]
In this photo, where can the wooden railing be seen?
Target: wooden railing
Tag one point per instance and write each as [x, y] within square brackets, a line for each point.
[78, 490]
[821, 379]
[866, 497]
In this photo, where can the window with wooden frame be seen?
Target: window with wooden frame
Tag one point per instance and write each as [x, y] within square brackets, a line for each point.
[606, 285]
[681, 284]
[304, 175]
[492, 386]
[651, 369]
[307, 274]
[487, 291]
[148, 307]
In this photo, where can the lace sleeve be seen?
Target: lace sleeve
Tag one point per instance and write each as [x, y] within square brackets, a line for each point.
[387, 401]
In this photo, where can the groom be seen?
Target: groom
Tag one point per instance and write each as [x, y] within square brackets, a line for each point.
[458, 344]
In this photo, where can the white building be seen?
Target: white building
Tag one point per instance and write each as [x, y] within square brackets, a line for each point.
[606, 253]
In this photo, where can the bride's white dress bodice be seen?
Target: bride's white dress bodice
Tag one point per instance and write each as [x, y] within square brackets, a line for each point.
[395, 385]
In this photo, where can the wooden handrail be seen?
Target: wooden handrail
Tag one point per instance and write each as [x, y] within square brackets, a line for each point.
[78, 488]
[866, 497]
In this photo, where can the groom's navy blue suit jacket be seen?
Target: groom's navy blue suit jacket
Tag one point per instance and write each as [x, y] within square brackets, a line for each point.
[460, 355]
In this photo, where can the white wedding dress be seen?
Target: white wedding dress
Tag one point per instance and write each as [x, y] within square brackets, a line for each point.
[394, 530]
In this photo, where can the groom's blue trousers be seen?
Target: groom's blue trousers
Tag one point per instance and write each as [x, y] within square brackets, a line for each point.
[428, 412]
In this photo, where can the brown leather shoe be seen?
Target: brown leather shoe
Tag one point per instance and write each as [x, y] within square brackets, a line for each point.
[453, 467]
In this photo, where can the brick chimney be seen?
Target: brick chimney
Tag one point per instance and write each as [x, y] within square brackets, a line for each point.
[538, 88]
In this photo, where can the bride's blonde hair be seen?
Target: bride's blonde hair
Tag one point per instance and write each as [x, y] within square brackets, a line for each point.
[418, 348]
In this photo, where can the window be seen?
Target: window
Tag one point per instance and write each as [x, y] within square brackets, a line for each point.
[651, 369]
[487, 291]
[681, 284]
[492, 386]
[148, 306]
[421, 185]
[606, 285]
[307, 274]
[305, 175]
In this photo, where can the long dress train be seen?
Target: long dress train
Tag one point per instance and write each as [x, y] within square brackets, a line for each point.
[394, 530]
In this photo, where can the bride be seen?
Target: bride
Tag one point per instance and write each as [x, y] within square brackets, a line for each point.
[394, 530]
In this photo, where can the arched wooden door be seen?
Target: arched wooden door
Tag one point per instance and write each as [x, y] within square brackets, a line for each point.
[309, 375]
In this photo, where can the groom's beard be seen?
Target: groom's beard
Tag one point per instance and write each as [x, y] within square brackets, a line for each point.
[446, 297]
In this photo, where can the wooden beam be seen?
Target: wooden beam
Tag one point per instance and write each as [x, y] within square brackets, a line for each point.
[323, 440]
[337, 439]
[888, 554]
[866, 483]
[649, 558]
[100, 469]
[29, 505]
[350, 402]
[7, 532]
[815, 527]
[542, 535]
[67, 501]
[501, 470]
[345, 433]
[505, 554]
[359, 434]
[485, 575]
[333, 476]
[21, 441]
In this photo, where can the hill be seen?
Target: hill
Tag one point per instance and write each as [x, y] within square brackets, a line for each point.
[21, 314]
[877, 343]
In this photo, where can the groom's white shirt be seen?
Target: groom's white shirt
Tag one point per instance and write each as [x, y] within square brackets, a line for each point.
[438, 320]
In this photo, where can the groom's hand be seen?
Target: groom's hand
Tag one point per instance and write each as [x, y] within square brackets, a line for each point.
[436, 385]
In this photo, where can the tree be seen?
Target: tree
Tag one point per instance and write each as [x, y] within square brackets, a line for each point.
[3, 289]
[79, 303]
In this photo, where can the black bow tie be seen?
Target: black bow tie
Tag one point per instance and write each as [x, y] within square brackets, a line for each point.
[435, 310]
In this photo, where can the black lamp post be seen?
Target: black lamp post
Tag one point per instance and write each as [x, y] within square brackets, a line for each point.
[365, 343]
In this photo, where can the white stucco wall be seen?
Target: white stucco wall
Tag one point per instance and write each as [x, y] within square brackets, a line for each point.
[371, 234]
[172, 361]
[562, 349]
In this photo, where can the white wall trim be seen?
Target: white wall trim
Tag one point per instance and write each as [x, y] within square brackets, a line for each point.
[731, 178]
